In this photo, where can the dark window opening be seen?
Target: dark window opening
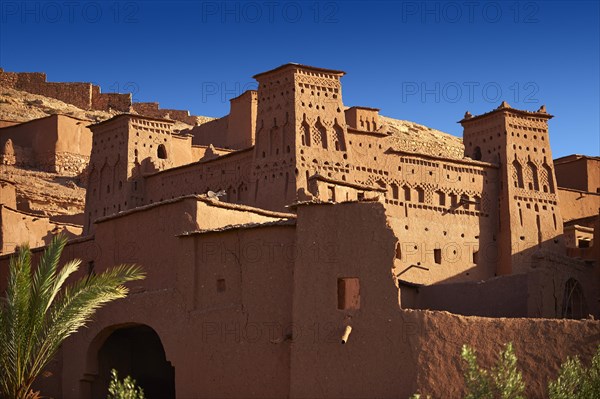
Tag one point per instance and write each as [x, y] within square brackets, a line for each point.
[409, 294]
[406, 193]
[221, 286]
[583, 244]
[394, 191]
[161, 151]
[574, 304]
[441, 198]
[348, 293]
[521, 216]
[420, 194]
[437, 255]
[453, 199]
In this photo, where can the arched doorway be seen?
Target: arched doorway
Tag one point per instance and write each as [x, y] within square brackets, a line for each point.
[574, 304]
[136, 351]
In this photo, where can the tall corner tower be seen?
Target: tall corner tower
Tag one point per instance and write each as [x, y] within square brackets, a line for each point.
[529, 213]
[300, 117]
[124, 148]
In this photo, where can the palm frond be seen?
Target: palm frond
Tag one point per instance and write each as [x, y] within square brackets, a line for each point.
[76, 304]
[16, 315]
[39, 311]
[43, 289]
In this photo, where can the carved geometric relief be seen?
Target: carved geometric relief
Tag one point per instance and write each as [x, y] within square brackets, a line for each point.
[320, 134]
[546, 180]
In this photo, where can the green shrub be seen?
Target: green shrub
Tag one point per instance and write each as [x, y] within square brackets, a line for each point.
[503, 381]
[126, 389]
[575, 381]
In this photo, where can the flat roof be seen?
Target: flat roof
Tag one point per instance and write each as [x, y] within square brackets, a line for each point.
[132, 116]
[19, 124]
[316, 201]
[36, 216]
[357, 186]
[464, 161]
[301, 66]
[361, 107]
[72, 240]
[354, 130]
[244, 226]
[195, 163]
[574, 157]
[541, 113]
[581, 220]
[200, 198]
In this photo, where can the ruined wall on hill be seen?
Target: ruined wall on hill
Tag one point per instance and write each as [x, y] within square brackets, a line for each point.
[78, 94]
[110, 101]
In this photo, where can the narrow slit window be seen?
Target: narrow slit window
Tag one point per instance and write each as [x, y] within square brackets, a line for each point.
[437, 256]
[331, 190]
[398, 251]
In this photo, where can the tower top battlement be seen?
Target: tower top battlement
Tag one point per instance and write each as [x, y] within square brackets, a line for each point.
[295, 66]
[505, 107]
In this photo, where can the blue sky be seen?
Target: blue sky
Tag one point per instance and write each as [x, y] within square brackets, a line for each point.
[427, 62]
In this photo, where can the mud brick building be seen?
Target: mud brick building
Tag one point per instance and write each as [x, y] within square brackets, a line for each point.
[329, 216]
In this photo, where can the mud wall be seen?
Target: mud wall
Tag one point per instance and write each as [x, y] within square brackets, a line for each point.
[8, 194]
[578, 204]
[540, 346]
[110, 101]
[56, 144]
[78, 94]
[19, 227]
[392, 352]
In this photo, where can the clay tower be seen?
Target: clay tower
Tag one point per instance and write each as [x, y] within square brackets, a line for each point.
[300, 117]
[529, 214]
[123, 149]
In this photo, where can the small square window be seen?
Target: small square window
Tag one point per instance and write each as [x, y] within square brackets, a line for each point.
[348, 293]
[221, 287]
